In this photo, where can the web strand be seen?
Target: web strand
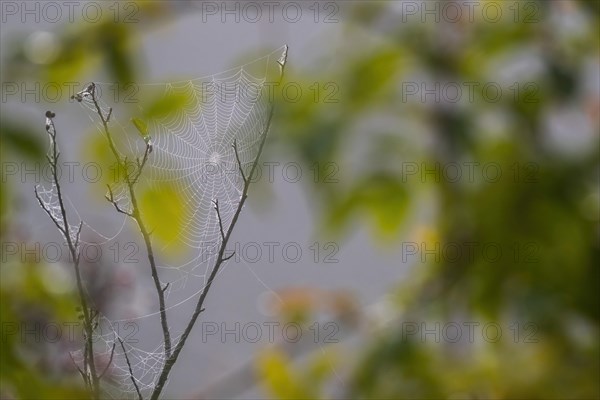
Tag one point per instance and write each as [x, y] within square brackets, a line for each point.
[192, 153]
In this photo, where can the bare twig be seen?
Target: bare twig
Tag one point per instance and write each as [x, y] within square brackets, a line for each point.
[83, 375]
[216, 203]
[229, 256]
[78, 234]
[137, 389]
[111, 198]
[112, 353]
[91, 377]
[237, 157]
[141, 164]
[220, 258]
[135, 213]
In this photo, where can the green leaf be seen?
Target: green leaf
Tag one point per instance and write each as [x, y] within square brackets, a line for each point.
[168, 105]
[141, 126]
[166, 212]
[381, 197]
[274, 367]
[22, 139]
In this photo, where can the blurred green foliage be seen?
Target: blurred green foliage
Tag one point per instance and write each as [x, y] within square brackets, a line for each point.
[29, 301]
[286, 382]
[557, 289]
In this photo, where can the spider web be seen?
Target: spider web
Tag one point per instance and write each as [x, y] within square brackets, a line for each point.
[193, 152]
[49, 198]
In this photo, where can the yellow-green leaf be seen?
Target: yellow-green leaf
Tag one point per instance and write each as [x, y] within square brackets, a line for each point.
[141, 126]
[274, 367]
[166, 213]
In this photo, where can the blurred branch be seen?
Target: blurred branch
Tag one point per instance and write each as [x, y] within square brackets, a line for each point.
[91, 377]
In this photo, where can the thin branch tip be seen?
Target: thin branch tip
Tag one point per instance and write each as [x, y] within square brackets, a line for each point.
[112, 353]
[239, 162]
[137, 389]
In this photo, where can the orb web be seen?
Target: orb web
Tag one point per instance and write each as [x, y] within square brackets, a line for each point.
[200, 148]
